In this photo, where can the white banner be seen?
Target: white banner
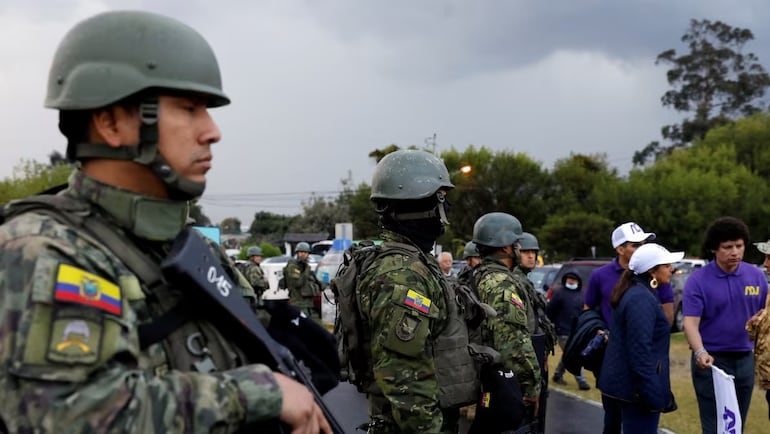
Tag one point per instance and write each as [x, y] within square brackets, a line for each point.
[728, 413]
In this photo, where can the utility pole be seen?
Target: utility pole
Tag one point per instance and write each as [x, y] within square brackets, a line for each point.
[431, 141]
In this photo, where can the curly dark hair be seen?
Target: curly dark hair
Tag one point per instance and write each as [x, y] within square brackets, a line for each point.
[721, 230]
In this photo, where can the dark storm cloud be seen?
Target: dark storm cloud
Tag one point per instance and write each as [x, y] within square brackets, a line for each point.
[451, 39]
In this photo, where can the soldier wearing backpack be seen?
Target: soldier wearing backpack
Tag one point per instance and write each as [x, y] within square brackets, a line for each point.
[496, 236]
[541, 329]
[403, 343]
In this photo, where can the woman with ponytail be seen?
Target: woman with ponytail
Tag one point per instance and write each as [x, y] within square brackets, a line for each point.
[635, 371]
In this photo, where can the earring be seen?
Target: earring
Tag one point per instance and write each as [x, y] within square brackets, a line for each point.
[654, 283]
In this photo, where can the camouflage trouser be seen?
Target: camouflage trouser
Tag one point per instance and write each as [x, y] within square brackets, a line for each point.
[381, 423]
[305, 304]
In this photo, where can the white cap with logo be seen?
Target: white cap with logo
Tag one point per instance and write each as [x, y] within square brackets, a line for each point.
[763, 247]
[650, 255]
[630, 232]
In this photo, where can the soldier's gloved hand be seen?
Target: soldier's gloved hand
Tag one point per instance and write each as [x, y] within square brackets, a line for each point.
[299, 410]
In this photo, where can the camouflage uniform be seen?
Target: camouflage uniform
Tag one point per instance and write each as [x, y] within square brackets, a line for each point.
[256, 278]
[401, 301]
[508, 333]
[70, 313]
[302, 284]
[525, 290]
[759, 332]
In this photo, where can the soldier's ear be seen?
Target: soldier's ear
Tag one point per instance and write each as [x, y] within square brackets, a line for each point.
[115, 125]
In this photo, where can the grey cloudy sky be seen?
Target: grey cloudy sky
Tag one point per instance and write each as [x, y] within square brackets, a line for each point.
[317, 84]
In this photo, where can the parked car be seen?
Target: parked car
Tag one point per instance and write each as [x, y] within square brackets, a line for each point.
[688, 265]
[582, 267]
[457, 266]
[678, 280]
[542, 277]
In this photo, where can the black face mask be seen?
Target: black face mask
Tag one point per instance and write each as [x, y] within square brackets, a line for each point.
[421, 221]
[422, 232]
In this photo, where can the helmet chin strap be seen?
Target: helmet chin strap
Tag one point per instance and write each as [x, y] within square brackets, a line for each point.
[438, 211]
[514, 256]
[145, 153]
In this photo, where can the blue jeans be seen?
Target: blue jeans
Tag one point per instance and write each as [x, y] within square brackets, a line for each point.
[638, 420]
[612, 415]
[739, 365]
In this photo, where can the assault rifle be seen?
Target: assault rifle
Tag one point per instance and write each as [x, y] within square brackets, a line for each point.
[192, 262]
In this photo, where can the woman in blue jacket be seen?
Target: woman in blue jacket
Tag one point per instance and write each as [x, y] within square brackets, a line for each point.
[635, 370]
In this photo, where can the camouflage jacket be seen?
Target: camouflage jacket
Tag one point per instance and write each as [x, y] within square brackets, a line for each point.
[402, 305]
[760, 334]
[508, 333]
[256, 278]
[70, 356]
[301, 283]
[525, 290]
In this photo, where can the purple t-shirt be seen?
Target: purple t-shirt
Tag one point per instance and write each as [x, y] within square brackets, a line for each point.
[724, 302]
[603, 280]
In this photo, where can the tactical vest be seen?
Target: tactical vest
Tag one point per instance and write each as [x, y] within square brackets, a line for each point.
[456, 371]
[165, 316]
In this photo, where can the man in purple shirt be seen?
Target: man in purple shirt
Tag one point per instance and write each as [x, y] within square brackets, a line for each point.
[717, 301]
[626, 238]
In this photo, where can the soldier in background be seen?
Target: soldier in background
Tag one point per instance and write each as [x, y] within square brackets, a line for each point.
[472, 260]
[253, 272]
[301, 281]
[541, 329]
[496, 236]
[401, 295]
[133, 90]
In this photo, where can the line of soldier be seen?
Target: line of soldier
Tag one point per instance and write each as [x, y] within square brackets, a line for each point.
[406, 313]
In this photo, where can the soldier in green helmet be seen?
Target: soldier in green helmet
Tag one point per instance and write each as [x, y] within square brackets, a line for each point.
[401, 296]
[301, 281]
[253, 272]
[541, 329]
[133, 90]
[496, 237]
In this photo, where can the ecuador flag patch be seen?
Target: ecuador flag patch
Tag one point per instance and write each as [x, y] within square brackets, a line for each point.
[74, 285]
[417, 301]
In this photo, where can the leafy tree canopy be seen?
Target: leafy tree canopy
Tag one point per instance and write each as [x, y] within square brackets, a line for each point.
[714, 83]
[32, 177]
[230, 225]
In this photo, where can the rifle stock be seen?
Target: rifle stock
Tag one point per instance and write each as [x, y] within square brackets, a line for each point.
[192, 262]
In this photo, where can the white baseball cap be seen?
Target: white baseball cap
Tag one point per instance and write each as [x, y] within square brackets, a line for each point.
[763, 247]
[650, 255]
[630, 232]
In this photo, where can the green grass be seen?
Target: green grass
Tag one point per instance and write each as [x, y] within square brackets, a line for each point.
[685, 420]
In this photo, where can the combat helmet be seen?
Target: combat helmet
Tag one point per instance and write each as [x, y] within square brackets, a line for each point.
[302, 247]
[527, 241]
[496, 229]
[470, 250]
[119, 54]
[409, 174]
[253, 251]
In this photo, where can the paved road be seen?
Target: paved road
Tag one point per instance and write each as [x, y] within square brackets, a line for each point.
[567, 414]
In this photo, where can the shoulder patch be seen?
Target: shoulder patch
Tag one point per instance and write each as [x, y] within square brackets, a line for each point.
[74, 285]
[515, 299]
[417, 301]
[74, 341]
